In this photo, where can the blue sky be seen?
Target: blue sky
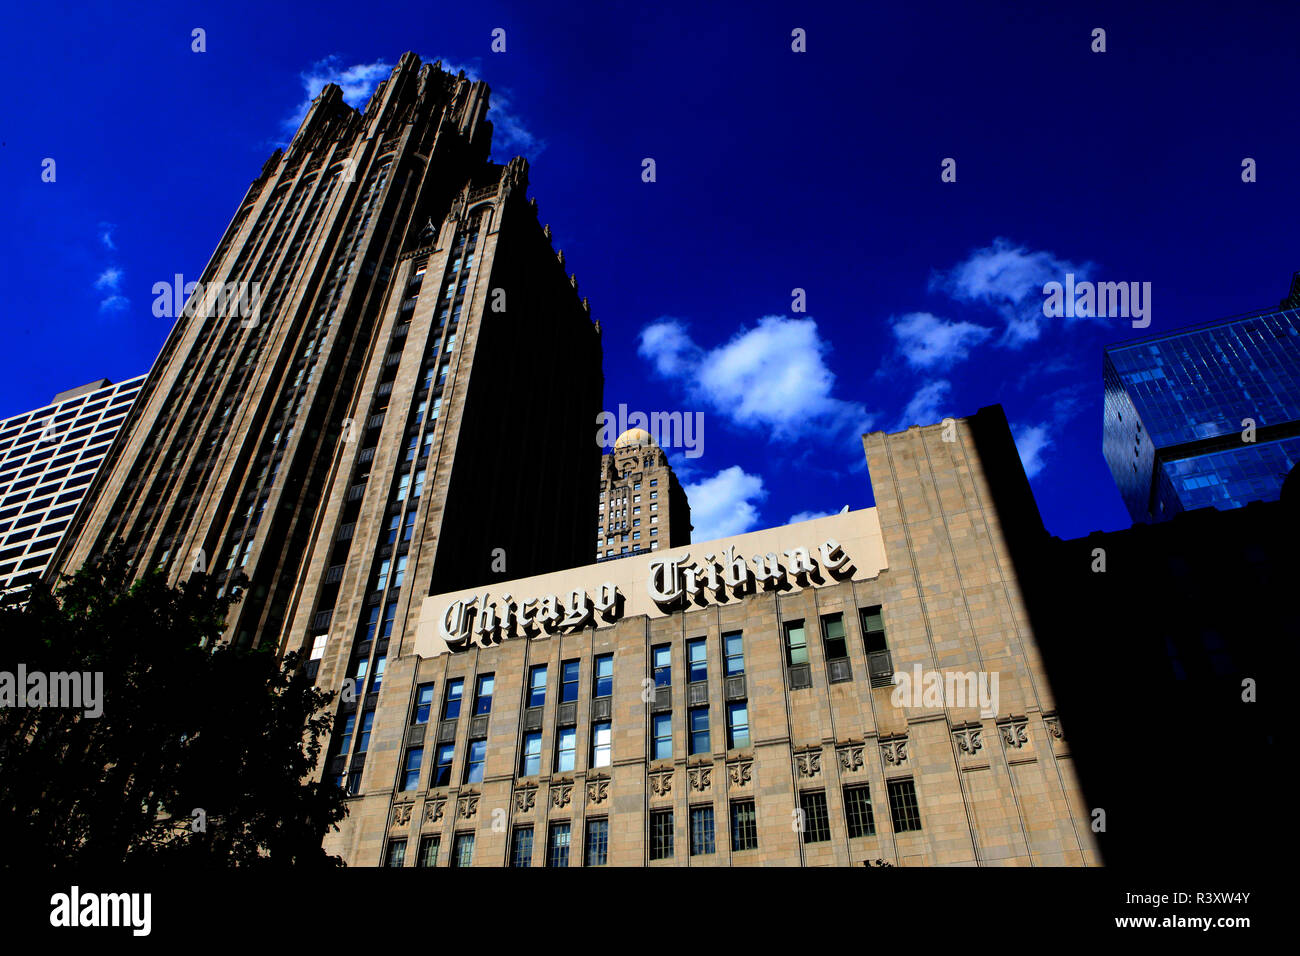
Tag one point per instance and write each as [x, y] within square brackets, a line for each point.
[775, 170]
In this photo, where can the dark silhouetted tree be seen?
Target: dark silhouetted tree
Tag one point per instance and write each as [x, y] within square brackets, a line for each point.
[203, 753]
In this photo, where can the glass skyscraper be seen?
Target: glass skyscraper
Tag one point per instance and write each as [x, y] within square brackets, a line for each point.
[1181, 410]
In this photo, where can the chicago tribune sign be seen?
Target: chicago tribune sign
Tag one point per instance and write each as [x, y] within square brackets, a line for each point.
[673, 580]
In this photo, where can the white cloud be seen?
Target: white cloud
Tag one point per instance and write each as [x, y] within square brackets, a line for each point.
[1010, 279]
[723, 505]
[669, 345]
[357, 81]
[771, 377]
[110, 279]
[928, 341]
[924, 408]
[1031, 442]
[106, 235]
[808, 516]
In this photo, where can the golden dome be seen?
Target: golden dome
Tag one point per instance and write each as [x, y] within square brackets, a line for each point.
[633, 436]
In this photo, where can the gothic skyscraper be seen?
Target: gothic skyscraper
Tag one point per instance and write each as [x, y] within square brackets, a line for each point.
[331, 413]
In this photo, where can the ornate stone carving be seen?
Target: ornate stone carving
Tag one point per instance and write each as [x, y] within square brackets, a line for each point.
[597, 789]
[561, 793]
[433, 810]
[740, 772]
[809, 762]
[700, 778]
[969, 739]
[1015, 733]
[894, 750]
[1053, 724]
[850, 756]
[525, 799]
[402, 814]
[467, 805]
[661, 782]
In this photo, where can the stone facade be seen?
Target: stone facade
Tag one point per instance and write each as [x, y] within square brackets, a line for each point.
[930, 562]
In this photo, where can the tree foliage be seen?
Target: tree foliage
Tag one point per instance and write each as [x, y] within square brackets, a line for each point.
[203, 753]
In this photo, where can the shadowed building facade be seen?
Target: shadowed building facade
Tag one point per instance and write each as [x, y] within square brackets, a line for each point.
[734, 703]
[338, 437]
[643, 506]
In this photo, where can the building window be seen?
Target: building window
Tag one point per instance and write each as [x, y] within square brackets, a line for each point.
[597, 842]
[442, 769]
[419, 484]
[744, 826]
[423, 703]
[873, 629]
[428, 851]
[483, 695]
[702, 841]
[733, 646]
[521, 847]
[661, 834]
[654, 483]
[796, 645]
[663, 737]
[697, 661]
[737, 725]
[600, 744]
[372, 624]
[816, 824]
[833, 637]
[390, 613]
[566, 749]
[604, 676]
[411, 776]
[477, 756]
[663, 668]
[399, 574]
[903, 809]
[699, 730]
[367, 721]
[857, 807]
[396, 855]
[530, 765]
[568, 681]
[557, 853]
[451, 706]
[462, 851]
[537, 685]
[381, 581]
[345, 736]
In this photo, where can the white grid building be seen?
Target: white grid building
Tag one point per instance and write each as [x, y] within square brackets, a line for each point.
[47, 460]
